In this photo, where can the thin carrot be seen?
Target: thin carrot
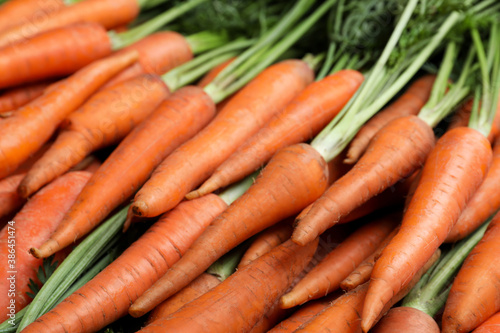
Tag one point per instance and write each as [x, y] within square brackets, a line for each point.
[10, 201]
[177, 119]
[406, 319]
[408, 104]
[492, 325]
[105, 119]
[252, 290]
[273, 197]
[30, 127]
[302, 118]
[14, 98]
[15, 12]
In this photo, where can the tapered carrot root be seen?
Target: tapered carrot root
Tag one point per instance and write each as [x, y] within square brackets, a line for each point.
[15, 12]
[398, 149]
[452, 173]
[20, 96]
[244, 297]
[492, 325]
[10, 201]
[408, 320]
[107, 297]
[31, 126]
[176, 120]
[106, 118]
[474, 295]
[242, 117]
[277, 193]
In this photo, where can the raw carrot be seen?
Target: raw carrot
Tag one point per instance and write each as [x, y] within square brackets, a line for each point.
[15, 12]
[30, 127]
[108, 296]
[177, 119]
[242, 117]
[275, 195]
[244, 297]
[269, 319]
[105, 119]
[406, 319]
[302, 118]
[14, 98]
[491, 325]
[408, 104]
[33, 225]
[461, 117]
[10, 201]
[326, 276]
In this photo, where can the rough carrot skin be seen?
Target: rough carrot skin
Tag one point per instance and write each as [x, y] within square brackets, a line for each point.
[108, 13]
[277, 193]
[408, 104]
[14, 98]
[397, 151]
[326, 276]
[242, 117]
[474, 295]
[491, 325]
[15, 12]
[105, 119]
[244, 297]
[406, 319]
[302, 119]
[31, 126]
[10, 201]
[33, 225]
[452, 173]
[108, 296]
[54, 53]
[176, 120]
[269, 319]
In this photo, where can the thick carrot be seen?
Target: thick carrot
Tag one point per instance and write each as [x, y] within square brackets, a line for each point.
[275, 195]
[10, 200]
[492, 325]
[406, 319]
[474, 295]
[269, 319]
[408, 104]
[326, 276]
[105, 119]
[108, 296]
[396, 152]
[176, 120]
[303, 118]
[452, 173]
[31, 126]
[33, 225]
[212, 74]
[15, 12]
[14, 98]
[244, 297]
[242, 117]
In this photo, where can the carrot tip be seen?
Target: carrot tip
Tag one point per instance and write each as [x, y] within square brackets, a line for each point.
[135, 312]
[194, 195]
[286, 302]
[139, 208]
[36, 253]
[24, 191]
[350, 160]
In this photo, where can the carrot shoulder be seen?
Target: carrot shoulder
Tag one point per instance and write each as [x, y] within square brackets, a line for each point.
[406, 319]
[492, 325]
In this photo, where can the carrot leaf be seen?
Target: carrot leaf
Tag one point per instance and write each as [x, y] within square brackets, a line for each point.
[45, 271]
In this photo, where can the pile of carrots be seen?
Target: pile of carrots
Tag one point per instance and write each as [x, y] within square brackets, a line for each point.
[250, 166]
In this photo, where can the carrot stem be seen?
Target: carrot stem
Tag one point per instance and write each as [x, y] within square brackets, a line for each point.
[226, 265]
[330, 56]
[236, 190]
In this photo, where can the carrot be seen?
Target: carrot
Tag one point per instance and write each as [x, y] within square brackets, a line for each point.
[275, 195]
[33, 225]
[406, 319]
[492, 325]
[212, 74]
[107, 297]
[302, 118]
[244, 297]
[474, 294]
[105, 119]
[326, 276]
[15, 12]
[408, 104]
[30, 127]
[10, 201]
[462, 116]
[14, 98]
[269, 319]
[177, 119]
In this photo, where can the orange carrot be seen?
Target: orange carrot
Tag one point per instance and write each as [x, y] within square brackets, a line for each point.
[14, 98]
[242, 117]
[275, 195]
[31, 126]
[176, 120]
[10, 201]
[491, 325]
[269, 319]
[212, 74]
[244, 297]
[15, 12]
[408, 104]
[474, 295]
[107, 297]
[452, 173]
[406, 319]
[105, 119]
[303, 118]
[33, 225]
[339, 263]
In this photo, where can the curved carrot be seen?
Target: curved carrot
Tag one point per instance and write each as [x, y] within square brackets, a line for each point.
[406, 319]
[302, 118]
[10, 201]
[176, 120]
[212, 74]
[396, 152]
[408, 104]
[452, 173]
[326, 276]
[107, 297]
[244, 297]
[474, 295]
[33, 225]
[15, 12]
[14, 98]
[105, 119]
[492, 325]
[275, 195]
[242, 117]
[31, 126]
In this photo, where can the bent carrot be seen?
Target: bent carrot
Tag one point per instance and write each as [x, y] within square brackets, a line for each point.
[31, 126]
[14, 98]
[491, 325]
[15, 12]
[243, 116]
[177, 119]
[406, 319]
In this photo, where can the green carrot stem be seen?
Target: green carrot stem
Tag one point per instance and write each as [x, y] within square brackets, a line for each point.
[341, 63]
[313, 61]
[330, 54]
[226, 265]
[147, 4]
[236, 190]
[442, 78]
[206, 40]
[66, 2]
